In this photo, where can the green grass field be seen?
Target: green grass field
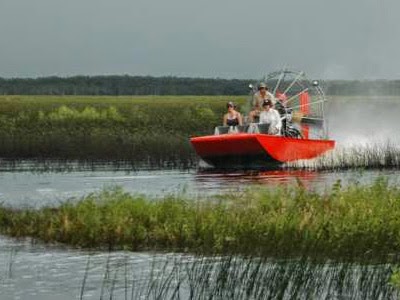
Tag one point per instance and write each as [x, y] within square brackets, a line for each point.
[13, 104]
[124, 128]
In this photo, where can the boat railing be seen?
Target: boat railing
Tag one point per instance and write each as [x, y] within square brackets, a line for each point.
[231, 129]
[251, 128]
[263, 128]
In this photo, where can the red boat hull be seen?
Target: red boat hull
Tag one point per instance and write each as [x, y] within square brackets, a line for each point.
[256, 150]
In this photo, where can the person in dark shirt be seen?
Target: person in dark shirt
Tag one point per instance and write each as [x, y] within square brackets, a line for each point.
[232, 117]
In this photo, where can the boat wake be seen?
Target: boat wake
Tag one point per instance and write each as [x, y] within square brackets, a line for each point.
[366, 133]
[384, 155]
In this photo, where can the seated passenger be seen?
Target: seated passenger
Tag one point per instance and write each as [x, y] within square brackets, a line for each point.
[258, 99]
[232, 117]
[271, 116]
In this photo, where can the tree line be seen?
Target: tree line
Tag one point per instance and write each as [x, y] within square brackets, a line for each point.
[147, 85]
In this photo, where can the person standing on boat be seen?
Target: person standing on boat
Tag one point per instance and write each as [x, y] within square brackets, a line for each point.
[232, 117]
[258, 99]
[271, 116]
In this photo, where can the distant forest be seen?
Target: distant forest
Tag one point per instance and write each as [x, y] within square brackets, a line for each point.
[146, 85]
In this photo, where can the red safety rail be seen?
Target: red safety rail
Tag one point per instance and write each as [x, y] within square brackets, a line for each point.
[304, 99]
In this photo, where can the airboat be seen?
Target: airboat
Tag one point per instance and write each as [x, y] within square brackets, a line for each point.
[304, 133]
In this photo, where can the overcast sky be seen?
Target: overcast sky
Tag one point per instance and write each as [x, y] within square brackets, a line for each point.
[329, 39]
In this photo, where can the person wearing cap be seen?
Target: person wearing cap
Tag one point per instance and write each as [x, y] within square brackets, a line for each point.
[258, 99]
[232, 117]
[271, 116]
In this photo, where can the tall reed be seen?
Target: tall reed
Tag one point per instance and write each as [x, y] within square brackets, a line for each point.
[238, 277]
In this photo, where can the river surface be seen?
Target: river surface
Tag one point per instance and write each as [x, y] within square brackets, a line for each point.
[31, 270]
[22, 187]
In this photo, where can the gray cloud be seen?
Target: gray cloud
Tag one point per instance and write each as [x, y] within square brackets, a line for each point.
[231, 39]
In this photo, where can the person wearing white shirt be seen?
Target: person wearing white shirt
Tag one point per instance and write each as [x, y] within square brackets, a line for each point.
[271, 116]
[258, 99]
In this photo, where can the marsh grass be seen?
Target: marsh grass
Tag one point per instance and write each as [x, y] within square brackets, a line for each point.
[141, 129]
[356, 221]
[244, 277]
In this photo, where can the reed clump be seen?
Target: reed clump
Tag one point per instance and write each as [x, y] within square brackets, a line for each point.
[356, 221]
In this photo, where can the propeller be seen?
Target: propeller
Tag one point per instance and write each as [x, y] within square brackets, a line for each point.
[299, 117]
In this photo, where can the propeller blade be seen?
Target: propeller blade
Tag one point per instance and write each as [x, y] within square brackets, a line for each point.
[299, 117]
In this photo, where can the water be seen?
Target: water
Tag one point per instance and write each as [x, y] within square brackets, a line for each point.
[24, 187]
[35, 271]
[48, 272]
